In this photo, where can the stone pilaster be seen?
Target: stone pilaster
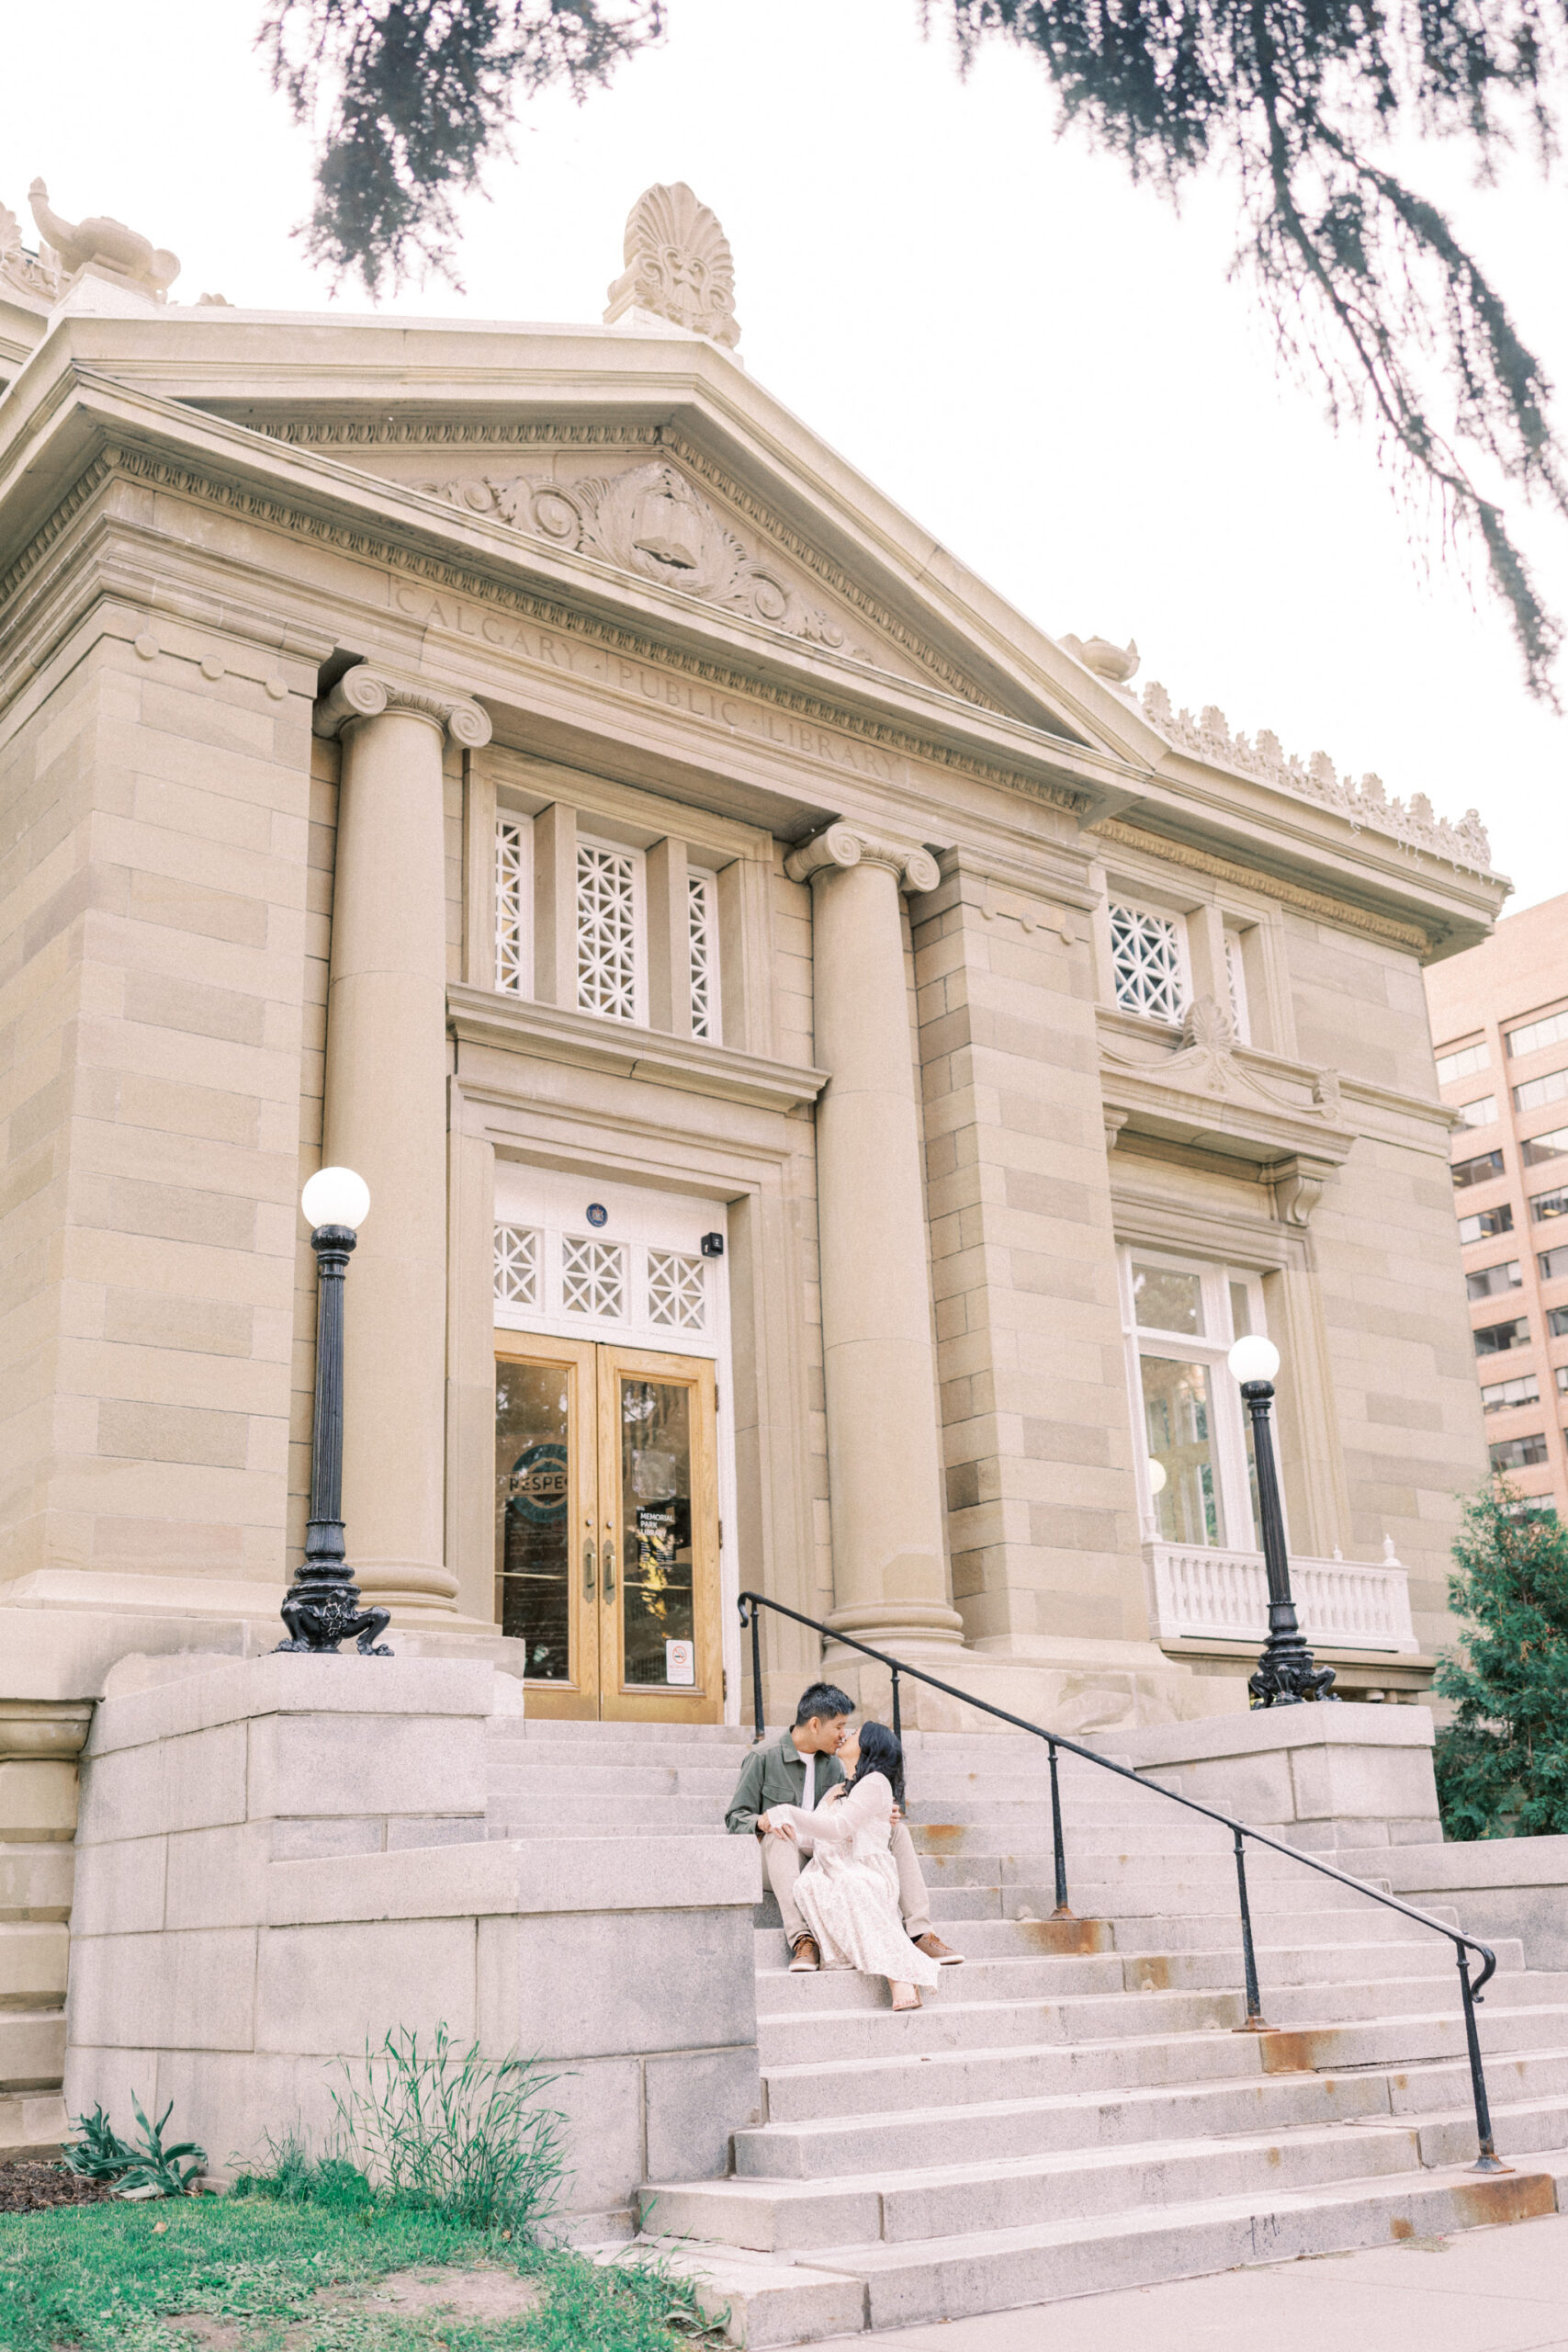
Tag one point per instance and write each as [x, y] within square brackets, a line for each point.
[889, 1567]
[384, 1115]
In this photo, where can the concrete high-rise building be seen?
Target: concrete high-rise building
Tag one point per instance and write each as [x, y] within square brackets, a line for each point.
[1500, 1028]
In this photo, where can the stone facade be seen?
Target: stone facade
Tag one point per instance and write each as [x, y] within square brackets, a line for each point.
[965, 994]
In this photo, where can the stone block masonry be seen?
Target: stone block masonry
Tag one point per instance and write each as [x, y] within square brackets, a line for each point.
[282, 1859]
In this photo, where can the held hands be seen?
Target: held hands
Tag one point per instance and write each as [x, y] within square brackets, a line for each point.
[770, 1828]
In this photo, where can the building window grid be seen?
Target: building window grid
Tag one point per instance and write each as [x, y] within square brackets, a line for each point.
[1546, 1205]
[1496, 1339]
[593, 1278]
[1469, 1059]
[1502, 1396]
[514, 844]
[1479, 1171]
[702, 931]
[1519, 1453]
[1537, 1091]
[1482, 1113]
[677, 1290]
[1487, 1225]
[519, 1266]
[608, 974]
[1553, 1145]
[1148, 963]
[1491, 1282]
[1531, 1036]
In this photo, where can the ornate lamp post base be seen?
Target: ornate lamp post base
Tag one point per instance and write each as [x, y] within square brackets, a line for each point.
[1286, 1675]
[321, 1609]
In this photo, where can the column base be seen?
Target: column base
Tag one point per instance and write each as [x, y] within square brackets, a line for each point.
[419, 1587]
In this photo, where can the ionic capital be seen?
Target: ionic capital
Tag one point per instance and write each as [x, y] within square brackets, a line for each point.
[838, 847]
[365, 693]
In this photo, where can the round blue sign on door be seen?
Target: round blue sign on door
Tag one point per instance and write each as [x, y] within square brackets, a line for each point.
[597, 1214]
[539, 1489]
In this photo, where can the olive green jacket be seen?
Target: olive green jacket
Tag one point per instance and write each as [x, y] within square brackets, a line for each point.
[775, 1776]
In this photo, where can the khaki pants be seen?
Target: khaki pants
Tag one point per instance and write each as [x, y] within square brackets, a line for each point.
[783, 1859]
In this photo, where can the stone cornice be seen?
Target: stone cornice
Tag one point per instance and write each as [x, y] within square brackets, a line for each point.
[487, 1017]
[1210, 1095]
[1315, 903]
[440, 573]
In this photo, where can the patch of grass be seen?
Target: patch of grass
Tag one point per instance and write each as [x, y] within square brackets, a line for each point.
[448, 2129]
[105, 2279]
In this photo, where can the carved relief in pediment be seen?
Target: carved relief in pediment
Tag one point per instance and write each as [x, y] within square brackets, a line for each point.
[652, 521]
[1207, 1093]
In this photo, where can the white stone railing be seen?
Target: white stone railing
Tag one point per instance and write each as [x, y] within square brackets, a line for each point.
[1203, 1594]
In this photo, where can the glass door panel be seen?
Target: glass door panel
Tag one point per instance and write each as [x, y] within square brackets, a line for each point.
[660, 1642]
[1180, 1435]
[606, 1529]
[546, 1518]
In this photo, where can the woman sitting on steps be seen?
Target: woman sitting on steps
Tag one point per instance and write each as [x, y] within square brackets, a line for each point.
[848, 1893]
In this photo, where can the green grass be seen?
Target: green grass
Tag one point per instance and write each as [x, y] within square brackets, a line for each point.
[101, 2277]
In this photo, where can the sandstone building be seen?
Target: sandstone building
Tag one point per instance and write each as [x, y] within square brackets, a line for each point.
[834, 1068]
[1500, 1022]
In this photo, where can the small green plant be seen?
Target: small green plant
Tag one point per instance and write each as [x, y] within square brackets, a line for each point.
[148, 2170]
[1502, 1762]
[451, 2131]
[294, 2176]
[100, 2152]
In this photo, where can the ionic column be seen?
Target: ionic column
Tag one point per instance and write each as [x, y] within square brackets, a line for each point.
[883, 1458]
[386, 1115]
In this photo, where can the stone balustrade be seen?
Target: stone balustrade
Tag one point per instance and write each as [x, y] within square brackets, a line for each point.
[1202, 1592]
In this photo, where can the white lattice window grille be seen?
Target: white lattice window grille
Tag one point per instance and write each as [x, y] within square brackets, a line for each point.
[1148, 963]
[702, 913]
[594, 1277]
[513, 910]
[609, 895]
[677, 1291]
[519, 1265]
[1236, 976]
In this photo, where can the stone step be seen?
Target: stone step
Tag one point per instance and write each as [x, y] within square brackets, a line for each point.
[1409, 2039]
[928, 2281]
[1009, 2193]
[978, 1939]
[32, 2125]
[924, 2076]
[1439, 2096]
[948, 2021]
[32, 1963]
[509, 1796]
[1304, 1964]
[1014, 1977]
[1361, 1923]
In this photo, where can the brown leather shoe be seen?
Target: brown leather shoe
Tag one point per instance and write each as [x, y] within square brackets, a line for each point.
[934, 1949]
[804, 1956]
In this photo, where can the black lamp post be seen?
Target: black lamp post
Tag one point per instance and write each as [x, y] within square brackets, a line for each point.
[321, 1608]
[1286, 1675]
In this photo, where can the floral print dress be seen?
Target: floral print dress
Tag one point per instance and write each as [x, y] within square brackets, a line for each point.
[848, 1892]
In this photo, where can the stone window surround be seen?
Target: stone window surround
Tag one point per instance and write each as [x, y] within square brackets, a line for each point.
[1208, 913]
[673, 842]
[1306, 1431]
[1227, 1415]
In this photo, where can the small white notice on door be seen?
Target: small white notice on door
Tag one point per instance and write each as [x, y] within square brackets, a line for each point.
[680, 1665]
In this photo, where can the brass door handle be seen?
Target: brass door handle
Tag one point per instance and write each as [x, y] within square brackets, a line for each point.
[588, 1567]
[609, 1567]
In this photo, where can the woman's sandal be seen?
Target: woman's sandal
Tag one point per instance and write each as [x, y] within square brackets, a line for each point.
[913, 2002]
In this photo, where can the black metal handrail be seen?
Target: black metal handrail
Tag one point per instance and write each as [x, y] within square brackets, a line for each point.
[1487, 2159]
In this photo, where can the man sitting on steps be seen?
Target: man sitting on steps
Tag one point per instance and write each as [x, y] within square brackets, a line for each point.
[800, 1770]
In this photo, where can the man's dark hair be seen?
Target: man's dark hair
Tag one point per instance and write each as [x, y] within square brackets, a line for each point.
[823, 1700]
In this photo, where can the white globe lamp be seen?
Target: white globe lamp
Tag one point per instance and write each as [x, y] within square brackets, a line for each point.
[335, 1196]
[1253, 1359]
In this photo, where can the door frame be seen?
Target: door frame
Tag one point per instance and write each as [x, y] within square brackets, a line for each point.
[596, 1691]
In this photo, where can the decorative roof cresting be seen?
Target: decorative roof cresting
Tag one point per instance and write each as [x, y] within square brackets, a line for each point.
[678, 266]
[1413, 822]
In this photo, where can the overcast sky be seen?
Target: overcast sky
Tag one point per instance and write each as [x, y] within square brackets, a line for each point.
[1045, 366]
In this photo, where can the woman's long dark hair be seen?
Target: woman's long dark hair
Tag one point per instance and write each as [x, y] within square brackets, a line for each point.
[880, 1752]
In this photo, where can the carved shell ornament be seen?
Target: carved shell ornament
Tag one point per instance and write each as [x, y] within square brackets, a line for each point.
[678, 264]
[649, 520]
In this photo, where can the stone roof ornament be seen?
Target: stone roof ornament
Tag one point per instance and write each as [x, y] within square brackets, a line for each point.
[106, 244]
[1465, 845]
[678, 265]
[24, 271]
[1114, 663]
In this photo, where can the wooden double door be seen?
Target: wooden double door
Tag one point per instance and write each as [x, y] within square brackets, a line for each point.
[606, 1527]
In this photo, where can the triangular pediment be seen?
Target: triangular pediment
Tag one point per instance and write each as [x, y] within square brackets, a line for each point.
[660, 510]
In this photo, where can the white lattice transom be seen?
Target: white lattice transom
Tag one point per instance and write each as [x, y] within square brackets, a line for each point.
[677, 1291]
[518, 1265]
[606, 932]
[700, 924]
[1145, 957]
[511, 913]
[594, 1277]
